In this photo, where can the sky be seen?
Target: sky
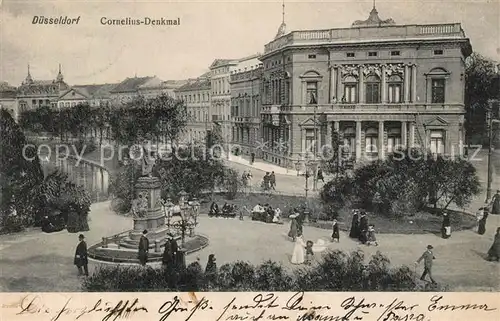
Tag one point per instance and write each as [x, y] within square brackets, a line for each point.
[92, 53]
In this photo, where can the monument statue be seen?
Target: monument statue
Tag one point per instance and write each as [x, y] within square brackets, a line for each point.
[148, 162]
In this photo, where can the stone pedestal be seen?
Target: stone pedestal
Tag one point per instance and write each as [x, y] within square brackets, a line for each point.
[153, 218]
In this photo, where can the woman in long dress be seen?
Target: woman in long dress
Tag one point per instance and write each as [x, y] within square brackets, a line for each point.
[481, 229]
[298, 251]
[354, 233]
[293, 229]
[495, 204]
[446, 226]
[494, 251]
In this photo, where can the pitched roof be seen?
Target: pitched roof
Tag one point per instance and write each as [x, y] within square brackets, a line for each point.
[93, 91]
[222, 62]
[174, 83]
[197, 84]
[131, 84]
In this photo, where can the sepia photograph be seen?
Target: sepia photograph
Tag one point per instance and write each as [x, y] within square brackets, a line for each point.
[252, 147]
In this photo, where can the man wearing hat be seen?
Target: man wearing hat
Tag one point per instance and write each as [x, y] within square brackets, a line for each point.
[143, 248]
[81, 259]
[428, 256]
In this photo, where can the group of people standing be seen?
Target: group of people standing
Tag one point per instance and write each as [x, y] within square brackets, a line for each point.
[361, 230]
[246, 178]
[269, 181]
[171, 252]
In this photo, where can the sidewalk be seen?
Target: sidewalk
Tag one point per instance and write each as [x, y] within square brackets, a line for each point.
[260, 165]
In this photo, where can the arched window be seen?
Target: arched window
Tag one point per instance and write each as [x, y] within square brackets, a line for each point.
[395, 86]
[350, 90]
[372, 89]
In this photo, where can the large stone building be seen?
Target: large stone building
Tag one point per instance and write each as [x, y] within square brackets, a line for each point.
[37, 93]
[377, 84]
[196, 95]
[245, 107]
[220, 102]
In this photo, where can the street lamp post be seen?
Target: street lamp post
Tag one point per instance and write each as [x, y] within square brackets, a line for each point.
[167, 206]
[491, 121]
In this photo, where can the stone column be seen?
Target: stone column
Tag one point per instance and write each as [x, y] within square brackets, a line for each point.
[411, 142]
[381, 147]
[384, 86]
[328, 134]
[332, 84]
[407, 85]
[414, 83]
[404, 137]
[303, 141]
[361, 91]
[340, 93]
[358, 139]
[336, 126]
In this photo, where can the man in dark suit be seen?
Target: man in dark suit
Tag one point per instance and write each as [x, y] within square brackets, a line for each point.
[174, 250]
[143, 248]
[81, 259]
[363, 227]
[428, 257]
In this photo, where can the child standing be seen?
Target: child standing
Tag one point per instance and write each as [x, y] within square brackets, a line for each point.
[335, 231]
[371, 239]
[309, 252]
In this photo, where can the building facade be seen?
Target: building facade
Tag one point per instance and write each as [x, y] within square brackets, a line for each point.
[8, 100]
[94, 95]
[37, 93]
[245, 108]
[196, 96]
[377, 84]
[220, 101]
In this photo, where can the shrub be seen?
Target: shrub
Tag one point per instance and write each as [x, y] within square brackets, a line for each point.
[335, 271]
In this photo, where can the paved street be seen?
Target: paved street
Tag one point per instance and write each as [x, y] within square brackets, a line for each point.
[44, 262]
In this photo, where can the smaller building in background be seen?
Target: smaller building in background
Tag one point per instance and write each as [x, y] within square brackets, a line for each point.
[8, 99]
[38, 93]
[245, 107]
[196, 95]
[94, 95]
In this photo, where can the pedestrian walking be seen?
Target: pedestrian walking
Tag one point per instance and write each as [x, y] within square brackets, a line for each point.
[428, 257]
[335, 231]
[272, 180]
[166, 259]
[143, 248]
[298, 251]
[266, 181]
[446, 226]
[371, 239]
[292, 233]
[174, 250]
[319, 176]
[81, 258]
[309, 252]
[494, 251]
[495, 203]
[363, 227]
[211, 270]
[252, 158]
[481, 229]
[354, 232]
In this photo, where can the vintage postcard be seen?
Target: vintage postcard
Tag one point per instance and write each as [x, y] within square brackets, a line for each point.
[250, 160]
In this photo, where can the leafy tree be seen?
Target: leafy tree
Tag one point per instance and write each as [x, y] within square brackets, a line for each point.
[481, 84]
[19, 173]
[453, 181]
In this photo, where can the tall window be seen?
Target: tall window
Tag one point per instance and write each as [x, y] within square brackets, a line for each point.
[437, 142]
[371, 139]
[350, 90]
[372, 89]
[393, 139]
[395, 88]
[438, 91]
[310, 140]
[312, 92]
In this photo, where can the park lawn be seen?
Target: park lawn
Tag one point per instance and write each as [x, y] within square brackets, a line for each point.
[421, 223]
